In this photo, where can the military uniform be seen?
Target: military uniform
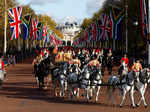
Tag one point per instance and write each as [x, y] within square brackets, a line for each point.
[137, 67]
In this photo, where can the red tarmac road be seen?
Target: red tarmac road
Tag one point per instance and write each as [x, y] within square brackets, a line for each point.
[20, 94]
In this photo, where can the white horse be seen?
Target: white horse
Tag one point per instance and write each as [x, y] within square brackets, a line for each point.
[59, 76]
[144, 79]
[125, 85]
[79, 81]
[95, 84]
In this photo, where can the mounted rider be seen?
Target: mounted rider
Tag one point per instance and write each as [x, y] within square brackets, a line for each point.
[124, 68]
[109, 61]
[137, 67]
[75, 62]
[67, 55]
[125, 59]
[124, 63]
[94, 62]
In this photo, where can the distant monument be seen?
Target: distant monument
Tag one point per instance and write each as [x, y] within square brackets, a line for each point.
[69, 29]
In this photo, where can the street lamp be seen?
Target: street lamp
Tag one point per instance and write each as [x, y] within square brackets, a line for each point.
[136, 23]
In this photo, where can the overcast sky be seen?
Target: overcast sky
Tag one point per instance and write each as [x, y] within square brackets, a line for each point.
[60, 9]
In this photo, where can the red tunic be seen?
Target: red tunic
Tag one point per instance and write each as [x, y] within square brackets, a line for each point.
[2, 64]
[125, 59]
[42, 53]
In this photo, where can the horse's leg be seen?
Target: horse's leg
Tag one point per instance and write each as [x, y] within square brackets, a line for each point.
[62, 88]
[123, 97]
[78, 94]
[132, 96]
[97, 93]
[37, 81]
[65, 85]
[48, 80]
[55, 83]
[113, 101]
[109, 94]
[92, 92]
[142, 92]
[69, 92]
[86, 94]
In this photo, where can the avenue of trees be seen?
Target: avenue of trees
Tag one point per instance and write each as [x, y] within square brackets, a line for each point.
[45, 19]
[136, 41]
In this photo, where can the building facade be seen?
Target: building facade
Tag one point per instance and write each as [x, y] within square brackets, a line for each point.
[69, 31]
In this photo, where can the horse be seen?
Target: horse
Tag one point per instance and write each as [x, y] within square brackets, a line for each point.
[80, 80]
[96, 80]
[39, 74]
[127, 84]
[144, 79]
[42, 70]
[59, 76]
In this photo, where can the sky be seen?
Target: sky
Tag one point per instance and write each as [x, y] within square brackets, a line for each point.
[62, 9]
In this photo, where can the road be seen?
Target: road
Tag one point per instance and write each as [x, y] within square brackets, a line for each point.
[20, 94]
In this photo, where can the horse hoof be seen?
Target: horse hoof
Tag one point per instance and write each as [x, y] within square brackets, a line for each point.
[137, 105]
[121, 106]
[96, 101]
[133, 106]
[90, 98]
[145, 106]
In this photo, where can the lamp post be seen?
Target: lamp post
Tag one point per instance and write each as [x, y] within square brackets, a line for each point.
[136, 25]
[5, 40]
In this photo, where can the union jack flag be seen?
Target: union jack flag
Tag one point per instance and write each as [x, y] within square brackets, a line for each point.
[14, 15]
[105, 27]
[34, 28]
[144, 22]
[44, 32]
[94, 31]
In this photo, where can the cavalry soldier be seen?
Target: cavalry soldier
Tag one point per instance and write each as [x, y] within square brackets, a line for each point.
[109, 61]
[137, 66]
[36, 61]
[124, 68]
[125, 59]
[76, 62]
[93, 54]
[67, 56]
[94, 62]
[59, 57]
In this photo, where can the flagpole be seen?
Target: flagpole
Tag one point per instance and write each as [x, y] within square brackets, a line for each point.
[126, 23]
[5, 32]
[148, 32]
[19, 47]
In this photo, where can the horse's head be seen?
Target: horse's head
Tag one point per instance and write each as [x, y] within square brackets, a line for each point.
[145, 75]
[86, 72]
